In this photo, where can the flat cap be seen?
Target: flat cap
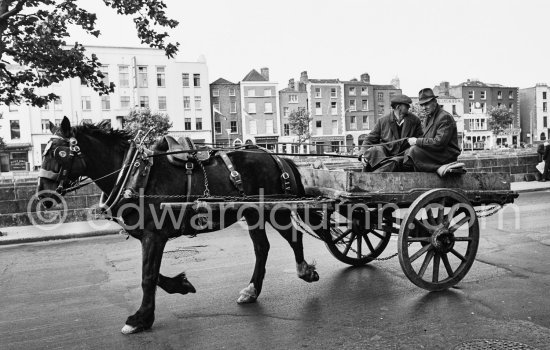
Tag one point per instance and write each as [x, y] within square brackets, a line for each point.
[398, 99]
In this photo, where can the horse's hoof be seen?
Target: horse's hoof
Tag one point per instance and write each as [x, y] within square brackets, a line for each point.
[248, 295]
[127, 329]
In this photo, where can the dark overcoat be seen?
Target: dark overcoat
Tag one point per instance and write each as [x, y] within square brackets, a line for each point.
[438, 145]
[386, 130]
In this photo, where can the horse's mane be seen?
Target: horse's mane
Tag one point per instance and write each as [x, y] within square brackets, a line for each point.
[104, 131]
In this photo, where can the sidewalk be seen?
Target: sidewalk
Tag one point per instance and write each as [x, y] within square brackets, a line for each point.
[28, 234]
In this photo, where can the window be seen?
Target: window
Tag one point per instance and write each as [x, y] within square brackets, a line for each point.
[267, 92]
[251, 93]
[142, 77]
[196, 80]
[216, 107]
[198, 124]
[216, 92]
[353, 122]
[105, 103]
[545, 122]
[364, 91]
[105, 71]
[45, 126]
[162, 103]
[380, 96]
[218, 127]
[317, 92]
[365, 105]
[252, 127]
[352, 106]
[57, 122]
[286, 129]
[510, 94]
[57, 104]
[335, 146]
[12, 108]
[232, 92]
[251, 107]
[544, 95]
[286, 111]
[499, 104]
[332, 92]
[365, 122]
[454, 109]
[544, 107]
[292, 98]
[269, 126]
[197, 102]
[482, 106]
[499, 95]
[124, 101]
[318, 124]
[86, 103]
[187, 124]
[333, 108]
[352, 91]
[234, 126]
[161, 79]
[470, 105]
[471, 94]
[510, 106]
[46, 106]
[144, 101]
[483, 94]
[15, 130]
[233, 107]
[120, 122]
[318, 110]
[268, 107]
[123, 76]
[186, 102]
[185, 79]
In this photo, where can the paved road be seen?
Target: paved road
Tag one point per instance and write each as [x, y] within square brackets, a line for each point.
[77, 294]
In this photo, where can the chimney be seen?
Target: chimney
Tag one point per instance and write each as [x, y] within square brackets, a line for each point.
[365, 78]
[265, 73]
[396, 82]
[303, 77]
[291, 84]
[444, 88]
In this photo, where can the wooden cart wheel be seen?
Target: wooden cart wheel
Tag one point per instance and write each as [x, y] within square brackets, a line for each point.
[359, 239]
[438, 239]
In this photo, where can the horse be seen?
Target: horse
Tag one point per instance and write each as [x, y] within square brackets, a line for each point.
[100, 153]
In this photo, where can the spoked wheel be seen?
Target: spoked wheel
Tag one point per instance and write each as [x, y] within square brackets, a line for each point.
[359, 238]
[438, 239]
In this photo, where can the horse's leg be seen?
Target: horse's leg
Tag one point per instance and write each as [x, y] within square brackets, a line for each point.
[177, 284]
[261, 249]
[152, 246]
[282, 222]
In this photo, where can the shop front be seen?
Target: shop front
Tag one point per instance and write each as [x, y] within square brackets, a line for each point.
[328, 144]
[268, 142]
[15, 157]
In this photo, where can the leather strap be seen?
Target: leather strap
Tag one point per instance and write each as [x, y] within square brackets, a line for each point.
[233, 174]
[285, 178]
[189, 171]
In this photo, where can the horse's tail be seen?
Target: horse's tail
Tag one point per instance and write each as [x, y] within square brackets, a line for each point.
[297, 176]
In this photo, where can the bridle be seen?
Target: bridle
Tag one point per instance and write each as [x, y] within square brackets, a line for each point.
[65, 156]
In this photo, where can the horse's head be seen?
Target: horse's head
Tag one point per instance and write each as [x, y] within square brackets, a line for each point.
[62, 164]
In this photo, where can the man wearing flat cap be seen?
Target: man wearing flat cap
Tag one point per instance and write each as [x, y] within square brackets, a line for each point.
[383, 148]
[439, 143]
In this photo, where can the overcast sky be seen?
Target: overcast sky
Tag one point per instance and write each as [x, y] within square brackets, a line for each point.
[421, 42]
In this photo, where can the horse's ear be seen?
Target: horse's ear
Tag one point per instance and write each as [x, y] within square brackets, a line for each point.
[53, 128]
[65, 127]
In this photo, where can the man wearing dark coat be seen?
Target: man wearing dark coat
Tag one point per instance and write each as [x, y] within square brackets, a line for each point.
[546, 157]
[379, 152]
[439, 143]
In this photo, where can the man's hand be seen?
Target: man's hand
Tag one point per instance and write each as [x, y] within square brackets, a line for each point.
[363, 160]
[412, 141]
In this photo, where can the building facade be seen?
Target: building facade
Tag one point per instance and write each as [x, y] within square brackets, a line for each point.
[534, 113]
[225, 97]
[259, 101]
[291, 99]
[478, 97]
[143, 77]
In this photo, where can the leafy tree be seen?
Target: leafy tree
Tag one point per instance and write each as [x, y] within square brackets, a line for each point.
[143, 119]
[500, 118]
[32, 39]
[298, 122]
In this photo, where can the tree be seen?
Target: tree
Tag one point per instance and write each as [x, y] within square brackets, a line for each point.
[298, 122]
[142, 119]
[32, 38]
[500, 118]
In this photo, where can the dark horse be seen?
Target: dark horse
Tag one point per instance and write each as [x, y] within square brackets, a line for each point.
[98, 152]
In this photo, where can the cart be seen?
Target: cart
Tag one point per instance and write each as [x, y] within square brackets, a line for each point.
[436, 219]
